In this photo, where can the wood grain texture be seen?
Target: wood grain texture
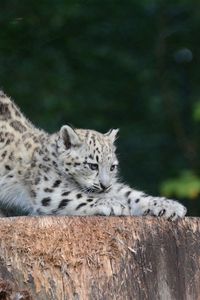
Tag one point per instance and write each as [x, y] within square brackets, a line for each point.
[99, 258]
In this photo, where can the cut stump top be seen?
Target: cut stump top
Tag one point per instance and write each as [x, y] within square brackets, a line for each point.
[100, 257]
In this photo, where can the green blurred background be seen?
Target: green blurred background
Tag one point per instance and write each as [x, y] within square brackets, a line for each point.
[104, 64]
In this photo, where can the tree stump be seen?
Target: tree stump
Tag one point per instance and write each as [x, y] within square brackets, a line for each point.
[99, 258]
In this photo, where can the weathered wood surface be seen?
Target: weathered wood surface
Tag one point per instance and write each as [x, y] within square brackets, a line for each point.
[99, 258]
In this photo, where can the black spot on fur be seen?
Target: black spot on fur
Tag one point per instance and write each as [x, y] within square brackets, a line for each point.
[17, 113]
[76, 164]
[63, 203]
[36, 140]
[11, 156]
[10, 138]
[18, 126]
[47, 190]
[162, 212]
[57, 183]
[37, 180]
[28, 145]
[4, 111]
[78, 196]
[46, 201]
[44, 168]
[81, 205]
[8, 167]
[172, 216]
[55, 164]
[3, 155]
[127, 194]
[46, 158]
[146, 212]
[66, 193]
[137, 200]
[90, 200]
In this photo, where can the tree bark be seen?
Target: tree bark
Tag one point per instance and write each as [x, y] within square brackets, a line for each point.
[99, 258]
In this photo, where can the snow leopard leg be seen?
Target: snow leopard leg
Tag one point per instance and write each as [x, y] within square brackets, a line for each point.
[61, 200]
[141, 204]
[121, 200]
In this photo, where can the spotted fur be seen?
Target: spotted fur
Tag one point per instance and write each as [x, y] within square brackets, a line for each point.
[71, 172]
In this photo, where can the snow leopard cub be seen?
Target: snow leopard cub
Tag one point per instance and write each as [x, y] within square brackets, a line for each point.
[71, 172]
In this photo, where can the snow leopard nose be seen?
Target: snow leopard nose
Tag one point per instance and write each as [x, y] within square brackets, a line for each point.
[104, 179]
[104, 187]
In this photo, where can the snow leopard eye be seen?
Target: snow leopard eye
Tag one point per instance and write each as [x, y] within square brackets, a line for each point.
[93, 167]
[112, 168]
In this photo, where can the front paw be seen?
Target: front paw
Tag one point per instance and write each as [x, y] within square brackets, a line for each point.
[167, 209]
[116, 209]
[159, 207]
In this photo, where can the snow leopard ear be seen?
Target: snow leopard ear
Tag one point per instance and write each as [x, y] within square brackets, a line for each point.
[69, 136]
[112, 134]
